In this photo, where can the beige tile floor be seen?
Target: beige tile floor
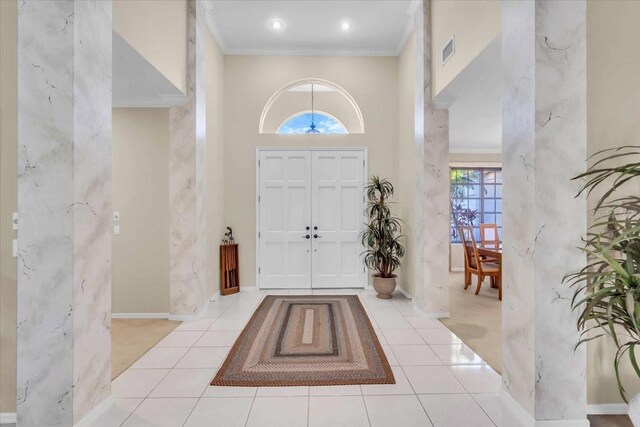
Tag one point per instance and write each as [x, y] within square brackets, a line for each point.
[439, 381]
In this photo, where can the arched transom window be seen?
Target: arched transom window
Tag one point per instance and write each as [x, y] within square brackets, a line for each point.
[301, 123]
[311, 106]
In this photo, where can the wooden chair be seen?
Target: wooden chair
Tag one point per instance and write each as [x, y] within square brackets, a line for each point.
[489, 235]
[475, 265]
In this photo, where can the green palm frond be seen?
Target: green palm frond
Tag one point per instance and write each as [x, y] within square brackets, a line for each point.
[607, 290]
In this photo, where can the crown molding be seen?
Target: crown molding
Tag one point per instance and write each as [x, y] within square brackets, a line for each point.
[409, 26]
[308, 52]
[217, 36]
[475, 150]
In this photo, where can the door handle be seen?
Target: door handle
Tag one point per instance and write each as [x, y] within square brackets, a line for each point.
[306, 237]
[315, 236]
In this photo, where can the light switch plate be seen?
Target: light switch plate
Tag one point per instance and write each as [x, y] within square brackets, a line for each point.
[116, 230]
[116, 216]
[14, 221]
[15, 248]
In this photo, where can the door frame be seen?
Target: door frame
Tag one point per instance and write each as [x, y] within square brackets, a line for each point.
[365, 155]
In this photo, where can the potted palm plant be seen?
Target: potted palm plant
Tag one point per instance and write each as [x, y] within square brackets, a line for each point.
[607, 290]
[381, 237]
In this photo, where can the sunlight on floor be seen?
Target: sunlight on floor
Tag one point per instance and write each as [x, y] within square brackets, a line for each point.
[476, 319]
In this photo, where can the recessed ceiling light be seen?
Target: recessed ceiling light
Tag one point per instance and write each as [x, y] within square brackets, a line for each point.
[345, 26]
[276, 24]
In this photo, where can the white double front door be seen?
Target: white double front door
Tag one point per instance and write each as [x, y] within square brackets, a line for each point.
[310, 205]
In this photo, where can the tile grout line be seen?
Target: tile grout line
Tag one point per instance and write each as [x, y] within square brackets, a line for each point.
[131, 413]
[253, 400]
[308, 407]
[366, 410]
[171, 369]
[482, 409]
[438, 357]
[146, 397]
[416, 396]
[204, 390]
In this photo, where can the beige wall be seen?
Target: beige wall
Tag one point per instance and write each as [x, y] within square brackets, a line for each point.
[8, 202]
[140, 170]
[474, 23]
[613, 92]
[215, 158]
[250, 81]
[157, 29]
[407, 158]
[140, 193]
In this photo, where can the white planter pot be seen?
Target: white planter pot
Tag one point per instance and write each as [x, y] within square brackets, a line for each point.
[634, 410]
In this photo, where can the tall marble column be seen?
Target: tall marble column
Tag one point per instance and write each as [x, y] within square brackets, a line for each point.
[187, 145]
[544, 146]
[432, 206]
[64, 207]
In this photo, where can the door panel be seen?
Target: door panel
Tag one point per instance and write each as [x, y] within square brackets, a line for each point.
[337, 211]
[284, 214]
[300, 189]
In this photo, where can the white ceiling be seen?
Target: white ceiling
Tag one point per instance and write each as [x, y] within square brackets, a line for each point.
[475, 115]
[312, 27]
[137, 83]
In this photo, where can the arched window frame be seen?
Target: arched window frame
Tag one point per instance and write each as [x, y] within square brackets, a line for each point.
[307, 81]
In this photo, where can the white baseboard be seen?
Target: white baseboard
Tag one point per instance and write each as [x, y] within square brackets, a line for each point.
[432, 315]
[563, 423]
[140, 315]
[528, 420]
[417, 309]
[520, 413]
[457, 269]
[8, 418]
[608, 409]
[188, 317]
[404, 292]
[214, 297]
[90, 419]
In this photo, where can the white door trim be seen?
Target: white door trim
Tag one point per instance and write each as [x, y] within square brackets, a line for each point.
[365, 155]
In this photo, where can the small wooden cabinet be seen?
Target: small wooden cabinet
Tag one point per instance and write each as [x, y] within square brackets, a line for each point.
[229, 269]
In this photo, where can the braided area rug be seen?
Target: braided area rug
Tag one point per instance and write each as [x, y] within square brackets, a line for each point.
[306, 341]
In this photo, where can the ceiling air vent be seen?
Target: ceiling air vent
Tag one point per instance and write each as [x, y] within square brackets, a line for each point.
[449, 49]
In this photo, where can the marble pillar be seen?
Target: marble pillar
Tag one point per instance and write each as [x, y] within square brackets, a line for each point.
[544, 146]
[64, 207]
[92, 209]
[187, 145]
[433, 205]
